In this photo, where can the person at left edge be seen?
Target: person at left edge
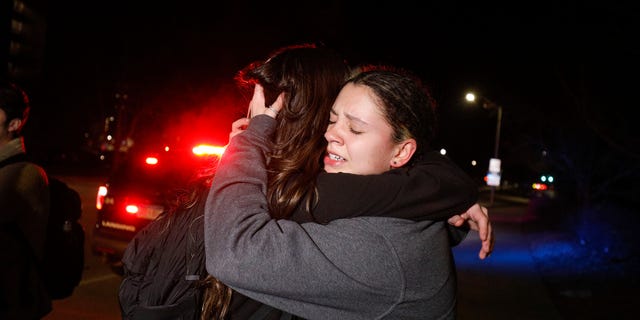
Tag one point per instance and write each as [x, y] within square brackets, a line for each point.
[24, 210]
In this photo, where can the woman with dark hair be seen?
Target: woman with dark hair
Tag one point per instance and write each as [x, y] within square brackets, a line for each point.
[370, 266]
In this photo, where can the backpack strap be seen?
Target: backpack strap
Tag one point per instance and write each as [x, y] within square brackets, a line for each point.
[262, 312]
[14, 228]
[265, 310]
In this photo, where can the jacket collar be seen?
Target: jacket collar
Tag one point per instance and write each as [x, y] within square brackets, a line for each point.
[12, 148]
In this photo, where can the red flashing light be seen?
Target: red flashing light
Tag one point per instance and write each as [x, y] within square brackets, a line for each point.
[207, 150]
[132, 208]
[152, 161]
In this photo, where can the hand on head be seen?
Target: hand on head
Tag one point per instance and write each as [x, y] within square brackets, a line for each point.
[257, 104]
[238, 126]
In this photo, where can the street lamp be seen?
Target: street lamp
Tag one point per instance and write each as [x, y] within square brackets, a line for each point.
[494, 164]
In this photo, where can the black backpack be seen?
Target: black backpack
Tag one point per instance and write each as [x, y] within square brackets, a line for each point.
[163, 268]
[164, 265]
[64, 251]
[63, 262]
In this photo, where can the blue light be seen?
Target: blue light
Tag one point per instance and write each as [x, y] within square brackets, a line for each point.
[545, 178]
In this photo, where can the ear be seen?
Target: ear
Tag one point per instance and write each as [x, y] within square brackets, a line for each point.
[404, 152]
[14, 125]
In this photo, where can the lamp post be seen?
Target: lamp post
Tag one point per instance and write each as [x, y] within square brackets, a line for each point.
[488, 104]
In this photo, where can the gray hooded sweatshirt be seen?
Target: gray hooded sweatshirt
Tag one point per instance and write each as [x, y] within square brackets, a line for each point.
[372, 267]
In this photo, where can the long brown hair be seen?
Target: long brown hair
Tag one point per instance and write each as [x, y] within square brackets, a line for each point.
[311, 76]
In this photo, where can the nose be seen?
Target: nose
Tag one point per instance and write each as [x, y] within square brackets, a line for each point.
[332, 134]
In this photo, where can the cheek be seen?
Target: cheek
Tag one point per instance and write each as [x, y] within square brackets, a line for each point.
[374, 160]
[381, 165]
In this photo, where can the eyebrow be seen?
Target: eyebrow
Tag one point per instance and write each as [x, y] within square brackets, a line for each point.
[356, 119]
[350, 117]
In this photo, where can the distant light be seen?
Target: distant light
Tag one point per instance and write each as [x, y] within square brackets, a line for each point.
[539, 186]
[208, 150]
[109, 137]
[132, 208]
[543, 178]
[151, 160]
[166, 148]
[443, 151]
[474, 163]
[470, 97]
[493, 179]
[102, 192]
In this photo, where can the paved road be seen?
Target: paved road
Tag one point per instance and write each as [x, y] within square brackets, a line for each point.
[505, 285]
[96, 296]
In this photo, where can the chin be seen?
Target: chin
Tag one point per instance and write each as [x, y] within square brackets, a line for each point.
[331, 170]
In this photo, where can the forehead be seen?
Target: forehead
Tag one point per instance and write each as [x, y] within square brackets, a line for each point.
[358, 105]
[356, 99]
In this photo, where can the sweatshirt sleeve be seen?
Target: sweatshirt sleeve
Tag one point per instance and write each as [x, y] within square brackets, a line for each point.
[433, 189]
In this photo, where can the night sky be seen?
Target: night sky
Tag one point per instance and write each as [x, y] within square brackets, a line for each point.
[549, 64]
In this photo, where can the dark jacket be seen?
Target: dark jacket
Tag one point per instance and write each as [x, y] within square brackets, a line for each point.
[24, 209]
[162, 265]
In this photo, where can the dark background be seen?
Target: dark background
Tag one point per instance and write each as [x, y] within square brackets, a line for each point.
[564, 72]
